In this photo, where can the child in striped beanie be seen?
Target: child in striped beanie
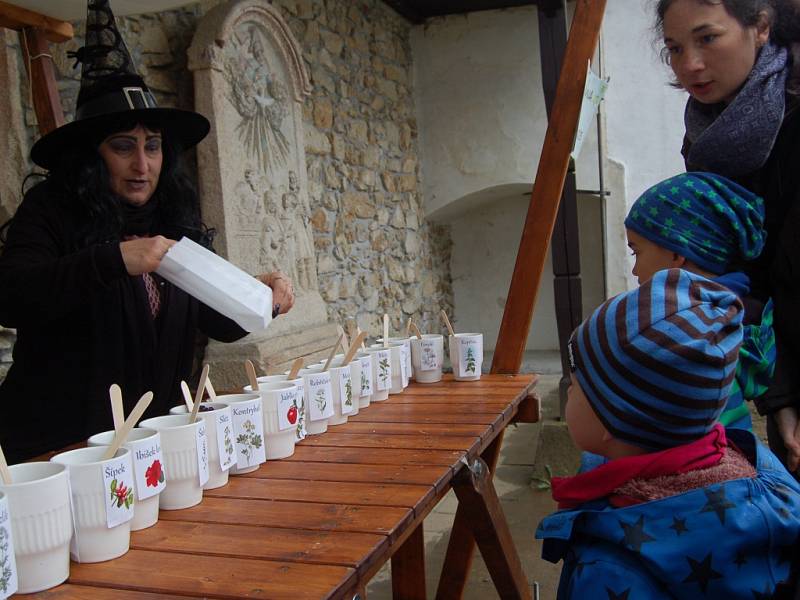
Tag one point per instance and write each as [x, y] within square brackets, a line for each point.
[710, 225]
[684, 508]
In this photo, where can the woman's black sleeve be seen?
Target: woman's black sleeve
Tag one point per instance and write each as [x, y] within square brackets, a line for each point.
[41, 277]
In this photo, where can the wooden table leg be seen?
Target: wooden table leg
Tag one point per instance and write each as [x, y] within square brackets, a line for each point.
[408, 568]
[482, 510]
[461, 547]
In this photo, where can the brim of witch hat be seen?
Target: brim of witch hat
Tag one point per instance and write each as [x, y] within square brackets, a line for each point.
[183, 128]
[112, 93]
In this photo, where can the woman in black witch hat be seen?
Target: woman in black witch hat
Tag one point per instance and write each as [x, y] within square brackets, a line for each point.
[76, 271]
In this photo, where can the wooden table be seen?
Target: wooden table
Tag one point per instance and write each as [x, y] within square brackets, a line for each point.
[322, 523]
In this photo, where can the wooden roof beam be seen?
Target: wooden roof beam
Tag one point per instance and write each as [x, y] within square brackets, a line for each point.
[17, 18]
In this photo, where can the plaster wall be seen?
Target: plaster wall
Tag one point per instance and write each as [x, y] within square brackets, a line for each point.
[483, 261]
[482, 119]
[644, 123]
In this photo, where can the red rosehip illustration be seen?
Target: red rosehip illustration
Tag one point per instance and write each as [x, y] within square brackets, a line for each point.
[121, 492]
[291, 415]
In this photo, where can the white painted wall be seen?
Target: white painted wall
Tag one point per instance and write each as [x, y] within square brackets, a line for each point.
[644, 122]
[482, 122]
[483, 261]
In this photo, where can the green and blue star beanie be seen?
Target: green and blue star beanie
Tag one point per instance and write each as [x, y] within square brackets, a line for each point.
[657, 363]
[704, 217]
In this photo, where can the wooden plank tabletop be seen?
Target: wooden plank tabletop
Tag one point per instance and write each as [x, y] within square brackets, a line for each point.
[322, 522]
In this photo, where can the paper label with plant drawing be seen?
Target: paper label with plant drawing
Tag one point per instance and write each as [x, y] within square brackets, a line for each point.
[301, 413]
[8, 565]
[248, 425]
[320, 397]
[366, 375]
[148, 467]
[227, 452]
[405, 372]
[383, 370]
[470, 356]
[288, 412]
[428, 357]
[202, 453]
[346, 391]
[118, 482]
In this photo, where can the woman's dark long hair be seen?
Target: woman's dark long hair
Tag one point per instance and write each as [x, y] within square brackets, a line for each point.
[81, 181]
[782, 15]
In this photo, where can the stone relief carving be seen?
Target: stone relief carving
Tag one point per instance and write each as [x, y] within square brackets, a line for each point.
[297, 223]
[259, 97]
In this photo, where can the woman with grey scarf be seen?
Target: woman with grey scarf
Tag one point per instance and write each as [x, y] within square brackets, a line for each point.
[739, 60]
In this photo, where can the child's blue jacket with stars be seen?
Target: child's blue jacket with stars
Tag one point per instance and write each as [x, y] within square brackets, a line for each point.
[730, 540]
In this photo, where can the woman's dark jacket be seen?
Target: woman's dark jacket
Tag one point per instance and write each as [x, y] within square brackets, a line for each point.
[776, 273]
[82, 324]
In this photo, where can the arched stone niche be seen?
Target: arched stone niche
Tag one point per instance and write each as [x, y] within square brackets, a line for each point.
[250, 81]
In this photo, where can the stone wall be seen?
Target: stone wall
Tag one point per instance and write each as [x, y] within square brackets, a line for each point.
[375, 252]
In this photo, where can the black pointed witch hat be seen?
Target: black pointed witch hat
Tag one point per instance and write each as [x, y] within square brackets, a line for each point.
[111, 91]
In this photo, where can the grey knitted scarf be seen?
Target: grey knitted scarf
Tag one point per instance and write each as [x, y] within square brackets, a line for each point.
[738, 139]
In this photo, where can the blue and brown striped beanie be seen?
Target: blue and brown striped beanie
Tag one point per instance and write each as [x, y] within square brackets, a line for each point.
[704, 217]
[657, 363]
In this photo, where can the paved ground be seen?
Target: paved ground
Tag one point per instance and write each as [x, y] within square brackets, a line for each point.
[526, 450]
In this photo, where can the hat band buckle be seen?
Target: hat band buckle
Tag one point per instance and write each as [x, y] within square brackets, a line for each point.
[128, 91]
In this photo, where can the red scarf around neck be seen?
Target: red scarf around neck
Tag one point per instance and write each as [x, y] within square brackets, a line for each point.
[601, 482]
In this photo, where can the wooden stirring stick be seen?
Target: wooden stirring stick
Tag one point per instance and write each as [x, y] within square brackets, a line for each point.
[385, 330]
[117, 410]
[359, 332]
[129, 424]
[296, 366]
[212, 395]
[417, 332]
[5, 474]
[332, 354]
[345, 343]
[198, 396]
[187, 396]
[447, 322]
[354, 348]
[408, 326]
[251, 375]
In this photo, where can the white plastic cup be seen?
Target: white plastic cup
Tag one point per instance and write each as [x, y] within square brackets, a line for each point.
[247, 403]
[365, 381]
[92, 540]
[313, 427]
[179, 447]
[41, 524]
[427, 356]
[466, 356]
[217, 476]
[379, 371]
[279, 443]
[145, 512]
[396, 349]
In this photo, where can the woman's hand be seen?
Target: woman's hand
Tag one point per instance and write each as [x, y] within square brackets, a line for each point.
[282, 290]
[143, 255]
[789, 428]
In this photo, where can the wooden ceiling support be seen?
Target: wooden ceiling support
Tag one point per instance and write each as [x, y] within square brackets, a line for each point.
[16, 18]
[547, 187]
[41, 75]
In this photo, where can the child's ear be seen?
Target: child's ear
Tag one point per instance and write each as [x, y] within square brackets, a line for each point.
[607, 437]
[678, 261]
